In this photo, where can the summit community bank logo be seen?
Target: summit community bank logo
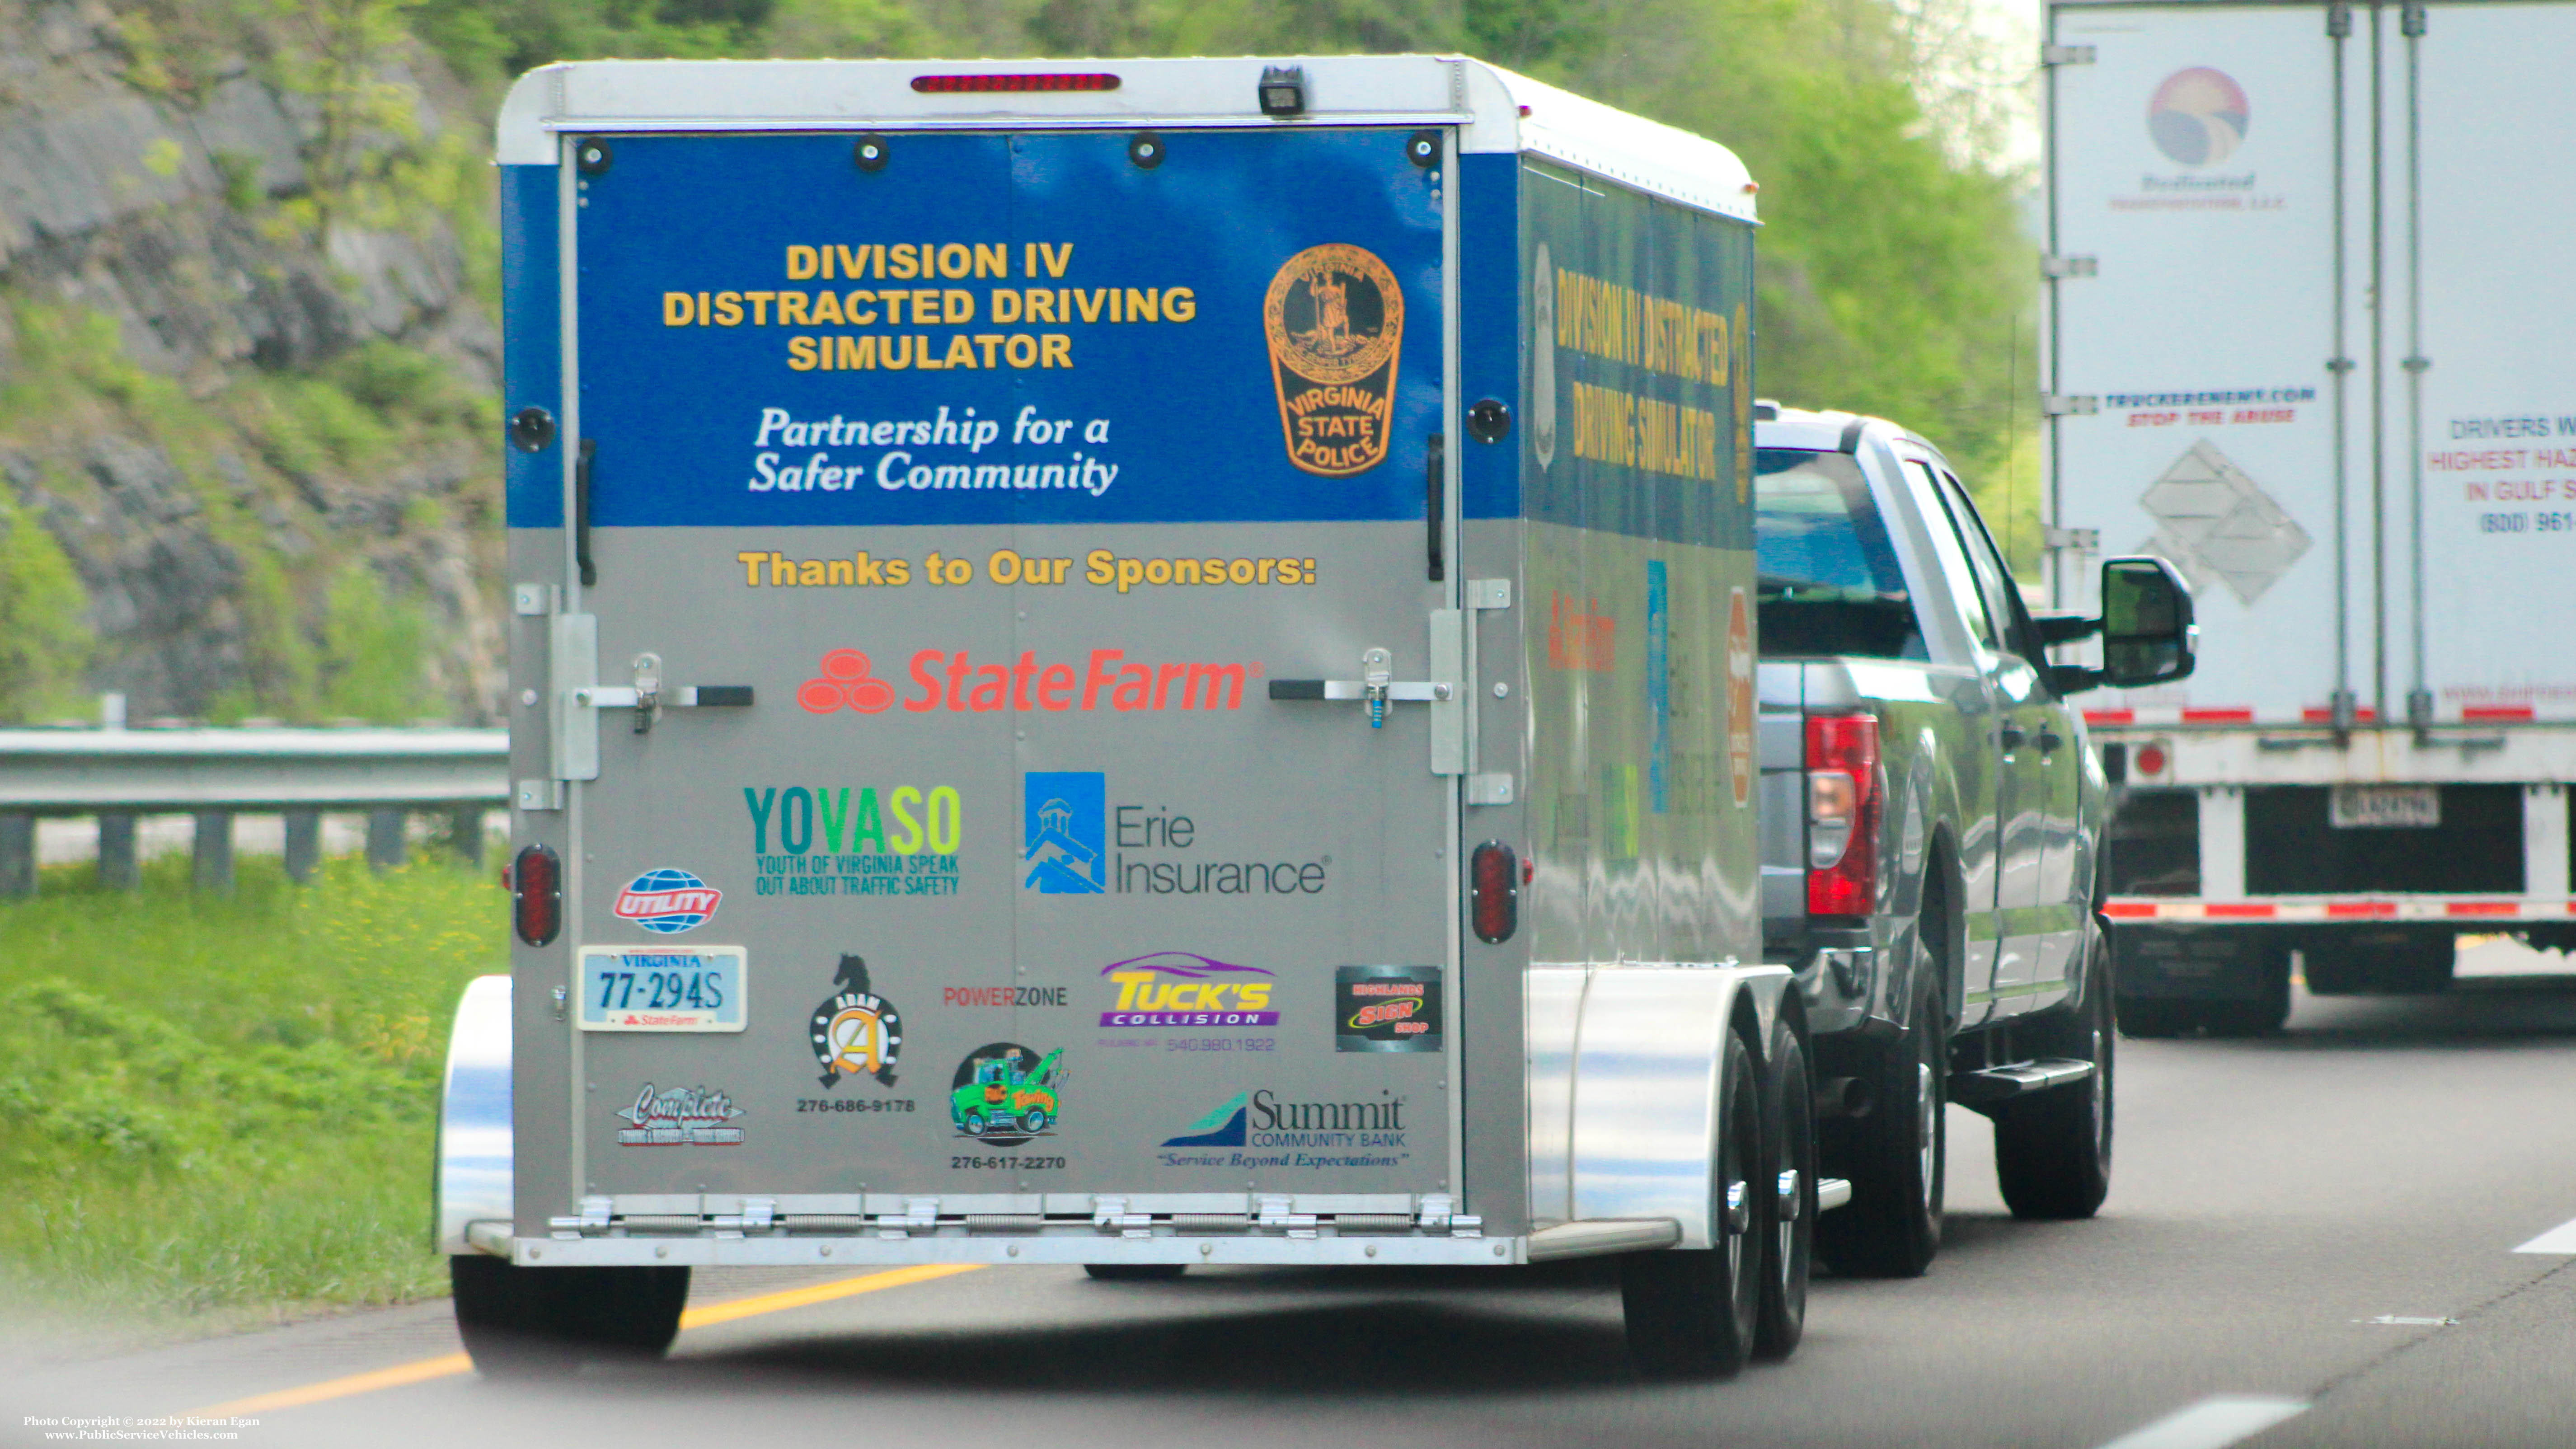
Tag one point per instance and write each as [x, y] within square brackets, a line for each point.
[2198, 117]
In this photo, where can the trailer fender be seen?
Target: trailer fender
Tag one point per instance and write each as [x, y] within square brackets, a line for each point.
[1648, 1050]
[474, 1150]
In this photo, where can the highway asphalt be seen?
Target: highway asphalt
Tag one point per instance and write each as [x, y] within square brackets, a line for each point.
[2317, 1233]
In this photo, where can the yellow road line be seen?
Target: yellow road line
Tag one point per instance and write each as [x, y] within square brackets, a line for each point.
[449, 1365]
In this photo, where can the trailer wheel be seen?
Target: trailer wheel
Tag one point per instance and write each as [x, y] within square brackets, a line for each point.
[2265, 1014]
[2154, 1017]
[539, 1322]
[1693, 1312]
[1135, 1272]
[1897, 1156]
[2053, 1150]
[1789, 1244]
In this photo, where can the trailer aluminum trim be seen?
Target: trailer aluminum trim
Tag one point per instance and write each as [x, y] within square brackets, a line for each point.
[2341, 910]
[1495, 110]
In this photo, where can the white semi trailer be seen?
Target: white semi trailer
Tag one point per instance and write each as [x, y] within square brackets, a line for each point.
[2305, 338]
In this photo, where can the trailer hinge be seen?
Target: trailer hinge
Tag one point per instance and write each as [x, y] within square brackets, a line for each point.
[920, 1215]
[1274, 1213]
[1110, 1215]
[2410, 18]
[2417, 364]
[1436, 1208]
[2057, 404]
[2066, 55]
[593, 1219]
[2057, 267]
[2339, 21]
[2339, 364]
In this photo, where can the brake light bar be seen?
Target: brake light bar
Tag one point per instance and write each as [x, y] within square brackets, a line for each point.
[1843, 810]
[1015, 81]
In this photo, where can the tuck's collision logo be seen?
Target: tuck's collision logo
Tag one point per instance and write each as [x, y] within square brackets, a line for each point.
[1177, 988]
[964, 684]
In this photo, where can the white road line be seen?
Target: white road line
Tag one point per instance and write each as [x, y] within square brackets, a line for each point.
[2212, 1423]
[2560, 1239]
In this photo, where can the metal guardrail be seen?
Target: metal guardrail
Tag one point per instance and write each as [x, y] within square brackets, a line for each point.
[214, 774]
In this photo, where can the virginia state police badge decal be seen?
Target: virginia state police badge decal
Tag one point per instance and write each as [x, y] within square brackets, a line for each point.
[1335, 322]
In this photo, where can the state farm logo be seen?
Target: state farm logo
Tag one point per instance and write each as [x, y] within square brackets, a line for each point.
[963, 684]
[846, 684]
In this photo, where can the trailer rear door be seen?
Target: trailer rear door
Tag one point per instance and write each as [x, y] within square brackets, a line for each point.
[1007, 471]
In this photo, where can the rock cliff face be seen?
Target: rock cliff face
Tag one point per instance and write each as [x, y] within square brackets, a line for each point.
[248, 366]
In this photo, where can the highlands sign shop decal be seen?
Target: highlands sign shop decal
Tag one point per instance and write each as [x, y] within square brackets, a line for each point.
[845, 840]
[1259, 1128]
[1076, 842]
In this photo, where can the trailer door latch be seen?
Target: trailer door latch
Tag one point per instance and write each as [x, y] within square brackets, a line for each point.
[1377, 686]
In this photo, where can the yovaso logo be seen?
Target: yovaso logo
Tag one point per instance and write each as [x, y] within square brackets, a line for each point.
[855, 840]
[1176, 988]
[2198, 116]
[666, 901]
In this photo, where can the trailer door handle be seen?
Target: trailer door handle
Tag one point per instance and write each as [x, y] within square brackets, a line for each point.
[581, 511]
[1435, 503]
[1416, 691]
[2010, 736]
[2049, 740]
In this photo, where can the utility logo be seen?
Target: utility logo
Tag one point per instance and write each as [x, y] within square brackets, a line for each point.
[2198, 116]
[1176, 988]
[1067, 819]
[680, 1117]
[1334, 318]
[667, 901]
[854, 1033]
[846, 684]
[1005, 1094]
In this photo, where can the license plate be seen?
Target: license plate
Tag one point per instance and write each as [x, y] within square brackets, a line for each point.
[2386, 807]
[662, 988]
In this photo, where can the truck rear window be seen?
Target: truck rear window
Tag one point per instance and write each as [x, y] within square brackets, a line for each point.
[1830, 580]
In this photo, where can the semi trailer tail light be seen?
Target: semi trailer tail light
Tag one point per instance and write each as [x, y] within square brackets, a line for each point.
[1494, 880]
[536, 895]
[1842, 814]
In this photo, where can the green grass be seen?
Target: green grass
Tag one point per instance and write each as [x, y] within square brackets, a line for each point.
[221, 1110]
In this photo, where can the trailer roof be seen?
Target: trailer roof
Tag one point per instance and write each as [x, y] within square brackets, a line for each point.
[1496, 110]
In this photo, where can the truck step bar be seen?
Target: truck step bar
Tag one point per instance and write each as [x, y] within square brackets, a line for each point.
[2002, 1084]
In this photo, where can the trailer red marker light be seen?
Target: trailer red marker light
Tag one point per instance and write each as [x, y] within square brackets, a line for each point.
[536, 895]
[1494, 876]
[1014, 81]
[2150, 759]
[1842, 814]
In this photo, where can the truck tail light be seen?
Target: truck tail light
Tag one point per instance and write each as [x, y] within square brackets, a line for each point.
[536, 895]
[1494, 877]
[1842, 814]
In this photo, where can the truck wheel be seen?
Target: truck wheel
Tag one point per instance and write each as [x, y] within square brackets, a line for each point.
[2262, 1016]
[974, 1124]
[1789, 1244]
[1693, 1312]
[2147, 1017]
[1135, 1272]
[1897, 1155]
[538, 1322]
[1035, 1122]
[2053, 1149]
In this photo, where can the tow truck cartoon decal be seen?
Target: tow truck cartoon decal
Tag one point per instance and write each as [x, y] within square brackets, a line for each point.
[1001, 1099]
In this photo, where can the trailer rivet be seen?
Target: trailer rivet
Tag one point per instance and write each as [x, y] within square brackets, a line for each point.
[827, 1250]
[870, 153]
[663, 1251]
[1207, 1250]
[1015, 1250]
[1498, 1250]
[536, 1253]
[1502, 690]
[1370, 1250]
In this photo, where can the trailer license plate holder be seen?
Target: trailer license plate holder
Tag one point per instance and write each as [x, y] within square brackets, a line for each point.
[2386, 807]
[663, 988]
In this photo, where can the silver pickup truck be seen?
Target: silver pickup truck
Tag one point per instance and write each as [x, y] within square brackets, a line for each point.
[1933, 825]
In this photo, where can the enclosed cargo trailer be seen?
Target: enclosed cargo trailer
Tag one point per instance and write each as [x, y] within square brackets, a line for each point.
[1135, 664]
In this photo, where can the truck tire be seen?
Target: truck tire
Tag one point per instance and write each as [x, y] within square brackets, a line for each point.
[538, 1322]
[1693, 1312]
[1135, 1272]
[1898, 1154]
[1789, 1237]
[2266, 1014]
[2053, 1148]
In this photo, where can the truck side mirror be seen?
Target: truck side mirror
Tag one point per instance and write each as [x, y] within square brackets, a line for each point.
[2148, 636]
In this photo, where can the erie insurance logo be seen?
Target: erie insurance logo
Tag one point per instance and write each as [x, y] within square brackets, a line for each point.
[1334, 318]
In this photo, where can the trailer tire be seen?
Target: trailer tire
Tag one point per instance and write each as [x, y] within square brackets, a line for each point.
[1897, 1156]
[2266, 1014]
[1789, 1237]
[1135, 1272]
[2053, 1149]
[2397, 966]
[521, 1323]
[1693, 1313]
[2154, 1017]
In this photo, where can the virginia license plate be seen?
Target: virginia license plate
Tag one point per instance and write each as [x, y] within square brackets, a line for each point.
[2386, 807]
[662, 988]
